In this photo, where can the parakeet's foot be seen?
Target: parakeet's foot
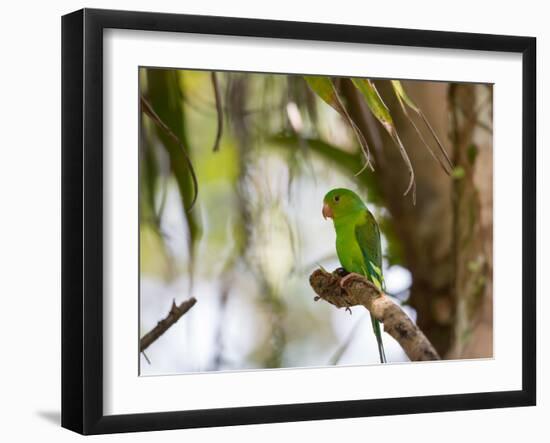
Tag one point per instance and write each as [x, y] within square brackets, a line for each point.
[348, 277]
[340, 272]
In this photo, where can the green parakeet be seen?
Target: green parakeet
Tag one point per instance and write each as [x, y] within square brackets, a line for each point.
[357, 242]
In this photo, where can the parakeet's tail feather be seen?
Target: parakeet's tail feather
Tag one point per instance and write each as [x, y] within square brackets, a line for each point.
[378, 333]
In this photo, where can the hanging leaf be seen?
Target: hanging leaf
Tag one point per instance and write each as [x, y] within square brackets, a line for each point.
[325, 89]
[156, 257]
[381, 112]
[375, 103]
[402, 95]
[164, 105]
[406, 102]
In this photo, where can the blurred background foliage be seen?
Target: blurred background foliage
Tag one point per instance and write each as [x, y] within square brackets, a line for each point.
[233, 169]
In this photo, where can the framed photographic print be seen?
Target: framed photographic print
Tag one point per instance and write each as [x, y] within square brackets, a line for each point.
[269, 221]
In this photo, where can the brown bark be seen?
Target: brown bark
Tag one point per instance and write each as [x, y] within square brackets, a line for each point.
[473, 234]
[163, 325]
[354, 290]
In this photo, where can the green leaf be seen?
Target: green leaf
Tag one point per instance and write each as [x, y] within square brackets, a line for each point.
[406, 102]
[402, 95]
[166, 112]
[382, 114]
[472, 152]
[458, 173]
[325, 89]
[164, 99]
[375, 103]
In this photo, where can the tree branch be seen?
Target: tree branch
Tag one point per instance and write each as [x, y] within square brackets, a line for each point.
[354, 290]
[163, 325]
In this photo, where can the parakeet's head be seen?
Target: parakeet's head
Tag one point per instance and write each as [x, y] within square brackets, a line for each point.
[341, 202]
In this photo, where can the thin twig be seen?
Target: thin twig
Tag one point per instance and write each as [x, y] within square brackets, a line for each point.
[446, 168]
[436, 138]
[407, 160]
[163, 325]
[146, 358]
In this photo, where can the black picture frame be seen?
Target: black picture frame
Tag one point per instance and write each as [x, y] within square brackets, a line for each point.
[82, 220]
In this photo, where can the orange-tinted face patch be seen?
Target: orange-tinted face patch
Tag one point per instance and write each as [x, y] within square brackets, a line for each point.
[327, 211]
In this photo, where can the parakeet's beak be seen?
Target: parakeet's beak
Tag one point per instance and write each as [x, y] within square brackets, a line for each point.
[327, 211]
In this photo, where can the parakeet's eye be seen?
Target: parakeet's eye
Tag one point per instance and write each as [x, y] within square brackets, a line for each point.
[337, 198]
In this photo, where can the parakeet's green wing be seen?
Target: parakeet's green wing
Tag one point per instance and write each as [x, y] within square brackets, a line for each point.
[367, 233]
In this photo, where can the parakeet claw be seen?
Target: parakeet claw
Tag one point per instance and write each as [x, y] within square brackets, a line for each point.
[349, 276]
[340, 272]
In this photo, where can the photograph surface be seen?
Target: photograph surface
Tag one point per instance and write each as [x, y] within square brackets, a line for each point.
[295, 221]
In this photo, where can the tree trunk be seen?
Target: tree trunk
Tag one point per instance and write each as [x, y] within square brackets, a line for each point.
[445, 293]
[473, 223]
